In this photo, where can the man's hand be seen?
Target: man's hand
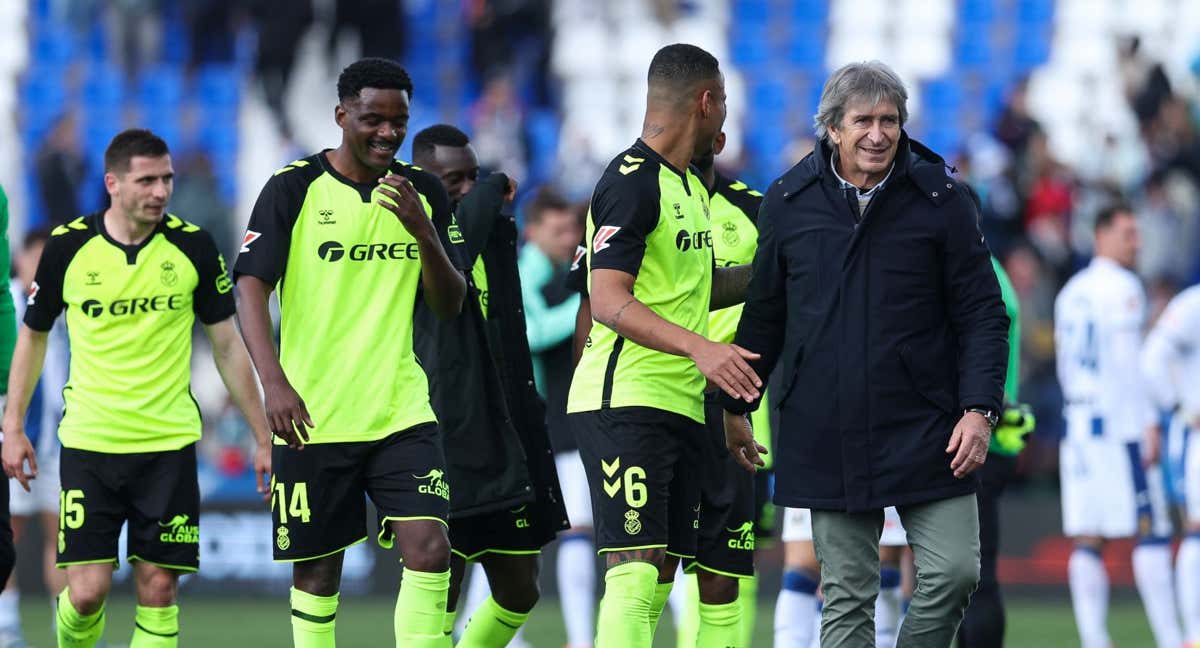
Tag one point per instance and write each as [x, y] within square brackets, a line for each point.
[1152, 448]
[286, 414]
[739, 439]
[969, 444]
[406, 204]
[725, 366]
[262, 470]
[16, 451]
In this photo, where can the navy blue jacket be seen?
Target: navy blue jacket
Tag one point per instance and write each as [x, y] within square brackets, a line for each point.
[885, 332]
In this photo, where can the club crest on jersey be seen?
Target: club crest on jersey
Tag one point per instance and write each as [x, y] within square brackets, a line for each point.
[600, 240]
[579, 252]
[281, 538]
[633, 525]
[250, 237]
[730, 234]
[168, 277]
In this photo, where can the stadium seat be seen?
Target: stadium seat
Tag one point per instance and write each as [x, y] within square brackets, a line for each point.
[977, 11]
[53, 46]
[218, 86]
[161, 86]
[103, 87]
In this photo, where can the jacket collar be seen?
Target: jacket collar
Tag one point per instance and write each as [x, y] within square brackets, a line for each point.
[914, 161]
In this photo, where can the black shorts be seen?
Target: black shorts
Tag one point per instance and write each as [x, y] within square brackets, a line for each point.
[518, 531]
[317, 494]
[157, 493]
[727, 513]
[641, 466]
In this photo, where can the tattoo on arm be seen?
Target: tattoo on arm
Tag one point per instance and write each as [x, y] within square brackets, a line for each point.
[616, 319]
[651, 131]
[729, 286]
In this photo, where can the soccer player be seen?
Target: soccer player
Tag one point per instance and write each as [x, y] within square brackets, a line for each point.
[636, 402]
[133, 279]
[1171, 365]
[723, 567]
[1110, 488]
[348, 236]
[41, 426]
[505, 529]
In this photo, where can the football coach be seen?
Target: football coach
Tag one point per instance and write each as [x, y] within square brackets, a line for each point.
[874, 290]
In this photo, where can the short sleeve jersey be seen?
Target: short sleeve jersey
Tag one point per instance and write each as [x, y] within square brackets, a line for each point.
[1098, 320]
[734, 209]
[348, 274]
[1179, 327]
[650, 220]
[130, 311]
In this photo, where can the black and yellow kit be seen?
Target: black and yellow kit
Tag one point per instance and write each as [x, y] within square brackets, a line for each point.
[495, 436]
[728, 512]
[130, 421]
[348, 274]
[636, 412]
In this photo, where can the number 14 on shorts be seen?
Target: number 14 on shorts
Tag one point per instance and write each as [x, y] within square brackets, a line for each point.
[296, 506]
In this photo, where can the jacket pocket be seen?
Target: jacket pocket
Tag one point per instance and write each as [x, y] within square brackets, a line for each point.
[793, 379]
[923, 380]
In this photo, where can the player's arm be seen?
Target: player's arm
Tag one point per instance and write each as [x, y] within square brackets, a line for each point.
[287, 415]
[583, 328]
[729, 286]
[23, 375]
[233, 363]
[443, 286]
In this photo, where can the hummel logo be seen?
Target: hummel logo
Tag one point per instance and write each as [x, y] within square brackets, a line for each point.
[326, 217]
[93, 279]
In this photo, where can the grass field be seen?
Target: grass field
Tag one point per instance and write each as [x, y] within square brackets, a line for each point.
[263, 623]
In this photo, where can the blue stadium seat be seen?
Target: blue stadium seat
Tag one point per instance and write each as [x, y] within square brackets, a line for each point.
[750, 48]
[977, 11]
[161, 86]
[750, 11]
[768, 97]
[103, 87]
[1034, 12]
[810, 11]
[806, 49]
[973, 45]
[942, 96]
[1032, 48]
[53, 45]
[218, 86]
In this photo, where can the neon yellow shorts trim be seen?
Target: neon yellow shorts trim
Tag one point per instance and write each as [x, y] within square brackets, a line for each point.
[383, 528]
[324, 555]
[679, 555]
[115, 562]
[691, 569]
[612, 549]
[498, 552]
[190, 570]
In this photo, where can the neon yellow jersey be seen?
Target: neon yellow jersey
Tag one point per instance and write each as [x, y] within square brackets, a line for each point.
[650, 220]
[348, 276]
[734, 209]
[130, 312]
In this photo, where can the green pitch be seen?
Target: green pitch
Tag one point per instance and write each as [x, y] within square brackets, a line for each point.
[263, 623]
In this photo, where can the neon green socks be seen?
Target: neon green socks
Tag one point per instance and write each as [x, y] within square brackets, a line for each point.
[491, 626]
[313, 619]
[720, 625]
[687, 625]
[421, 609]
[748, 600]
[662, 593]
[624, 620]
[448, 629]
[155, 627]
[77, 630]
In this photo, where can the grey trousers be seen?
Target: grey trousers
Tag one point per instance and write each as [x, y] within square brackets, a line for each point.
[944, 536]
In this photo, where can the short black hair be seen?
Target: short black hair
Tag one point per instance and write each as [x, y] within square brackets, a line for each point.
[1109, 213]
[544, 200]
[35, 236]
[129, 144]
[438, 135]
[682, 65]
[373, 72]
